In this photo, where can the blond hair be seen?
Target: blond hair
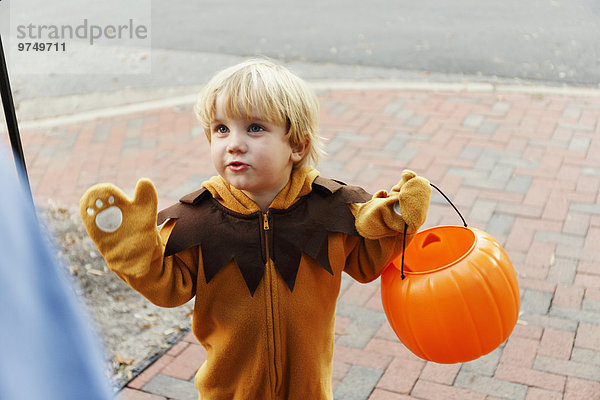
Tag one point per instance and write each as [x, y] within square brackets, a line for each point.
[261, 88]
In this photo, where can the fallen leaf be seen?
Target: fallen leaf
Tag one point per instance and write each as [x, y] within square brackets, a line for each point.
[170, 331]
[121, 361]
[96, 272]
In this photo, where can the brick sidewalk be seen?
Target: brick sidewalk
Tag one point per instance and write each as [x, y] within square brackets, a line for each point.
[523, 167]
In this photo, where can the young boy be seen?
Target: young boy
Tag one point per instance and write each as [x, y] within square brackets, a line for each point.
[262, 245]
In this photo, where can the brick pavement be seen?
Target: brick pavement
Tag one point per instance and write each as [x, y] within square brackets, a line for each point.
[524, 167]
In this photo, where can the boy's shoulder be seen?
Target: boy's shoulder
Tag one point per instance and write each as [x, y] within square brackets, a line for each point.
[353, 194]
[176, 209]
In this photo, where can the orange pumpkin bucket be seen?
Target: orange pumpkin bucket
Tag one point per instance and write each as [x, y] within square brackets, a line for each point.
[455, 298]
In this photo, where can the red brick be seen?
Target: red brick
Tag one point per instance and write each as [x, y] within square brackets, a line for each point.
[401, 375]
[374, 302]
[340, 324]
[588, 267]
[530, 377]
[465, 197]
[150, 372]
[178, 348]
[538, 193]
[581, 389]
[190, 338]
[340, 369]
[334, 383]
[358, 293]
[449, 183]
[536, 284]
[379, 394]
[361, 357]
[521, 235]
[393, 348]
[588, 336]
[534, 272]
[517, 258]
[576, 223]
[528, 331]
[435, 391]
[534, 393]
[393, 167]
[425, 159]
[387, 333]
[519, 352]
[131, 394]
[568, 172]
[440, 373]
[568, 296]
[540, 254]
[592, 294]
[592, 239]
[581, 197]
[186, 364]
[556, 343]
[587, 280]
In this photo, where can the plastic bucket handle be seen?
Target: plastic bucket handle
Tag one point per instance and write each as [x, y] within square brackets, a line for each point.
[406, 226]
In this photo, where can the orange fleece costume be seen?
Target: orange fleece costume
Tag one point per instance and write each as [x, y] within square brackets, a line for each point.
[274, 343]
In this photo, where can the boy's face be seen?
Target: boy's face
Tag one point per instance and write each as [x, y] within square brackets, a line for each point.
[253, 155]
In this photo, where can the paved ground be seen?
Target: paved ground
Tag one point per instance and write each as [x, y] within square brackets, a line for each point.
[523, 166]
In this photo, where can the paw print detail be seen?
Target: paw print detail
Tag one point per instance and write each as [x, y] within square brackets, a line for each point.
[108, 219]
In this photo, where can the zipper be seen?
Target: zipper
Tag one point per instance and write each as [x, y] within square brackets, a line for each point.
[269, 282]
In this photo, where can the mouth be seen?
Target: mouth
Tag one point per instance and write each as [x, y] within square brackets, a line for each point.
[237, 165]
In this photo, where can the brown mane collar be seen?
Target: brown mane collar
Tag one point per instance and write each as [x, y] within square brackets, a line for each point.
[225, 235]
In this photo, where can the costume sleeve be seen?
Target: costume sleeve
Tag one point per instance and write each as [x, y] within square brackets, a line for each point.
[165, 281]
[366, 259]
[126, 235]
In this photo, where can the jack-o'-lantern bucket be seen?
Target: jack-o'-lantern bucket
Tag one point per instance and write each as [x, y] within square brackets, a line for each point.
[455, 298]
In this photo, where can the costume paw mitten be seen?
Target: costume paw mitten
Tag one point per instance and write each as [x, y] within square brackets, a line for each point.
[386, 213]
[124, 230]
[414, 193]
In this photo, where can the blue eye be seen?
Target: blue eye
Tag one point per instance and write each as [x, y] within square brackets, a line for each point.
[222, 129]
[255, 128]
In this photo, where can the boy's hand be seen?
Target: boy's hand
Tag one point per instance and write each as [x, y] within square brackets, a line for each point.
[414, 193]
[120, 227]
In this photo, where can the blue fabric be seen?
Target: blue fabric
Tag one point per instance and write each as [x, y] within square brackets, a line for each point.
[47, 348]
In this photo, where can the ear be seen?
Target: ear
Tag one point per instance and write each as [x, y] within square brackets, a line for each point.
[299, 151]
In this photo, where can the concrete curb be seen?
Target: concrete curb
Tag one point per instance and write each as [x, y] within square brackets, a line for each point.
[318, 85]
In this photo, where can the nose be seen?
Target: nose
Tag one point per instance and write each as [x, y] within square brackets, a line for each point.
[237, 142]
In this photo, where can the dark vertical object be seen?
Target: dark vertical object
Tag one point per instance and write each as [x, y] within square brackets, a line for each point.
[11, 121]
